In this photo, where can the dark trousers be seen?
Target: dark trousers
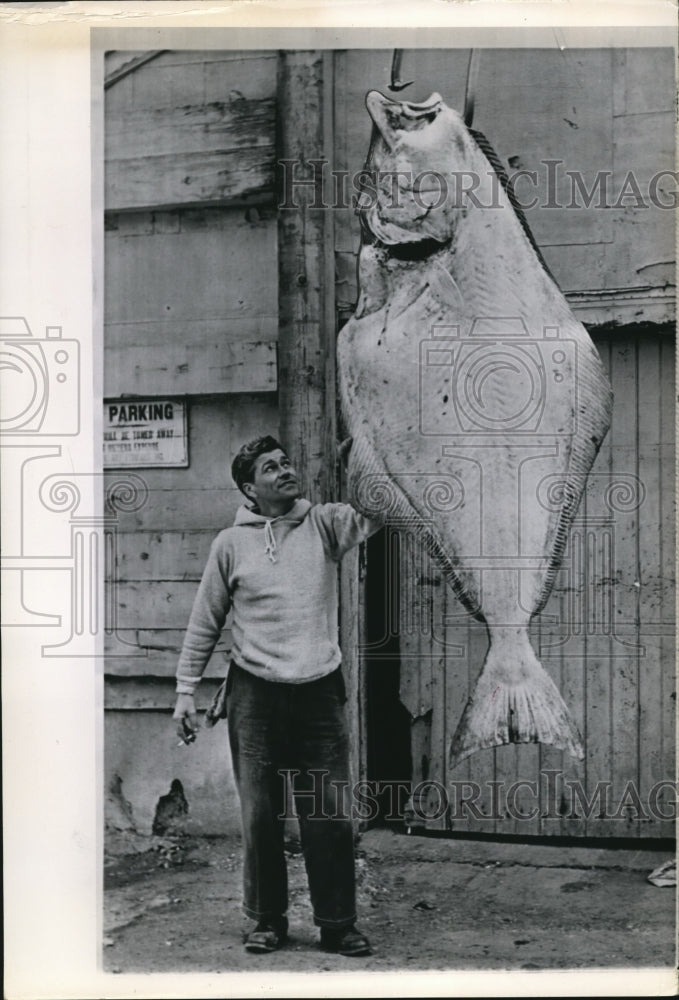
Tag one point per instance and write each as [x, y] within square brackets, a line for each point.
[274, 727]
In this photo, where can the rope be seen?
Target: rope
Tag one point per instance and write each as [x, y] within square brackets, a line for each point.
[497, 165]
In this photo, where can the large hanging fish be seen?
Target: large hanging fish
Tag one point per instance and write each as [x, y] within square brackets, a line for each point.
[475, 400]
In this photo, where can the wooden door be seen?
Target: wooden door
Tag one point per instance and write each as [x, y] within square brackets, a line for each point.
[605, 637]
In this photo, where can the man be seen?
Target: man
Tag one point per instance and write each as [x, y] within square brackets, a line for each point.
[276, 568]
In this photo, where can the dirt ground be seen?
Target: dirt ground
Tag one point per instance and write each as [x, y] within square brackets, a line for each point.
[426, 903]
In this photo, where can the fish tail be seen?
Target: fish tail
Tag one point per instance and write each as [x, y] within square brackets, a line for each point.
[514, 701]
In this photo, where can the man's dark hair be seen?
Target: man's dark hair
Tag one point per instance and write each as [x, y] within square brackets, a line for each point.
[244, 462]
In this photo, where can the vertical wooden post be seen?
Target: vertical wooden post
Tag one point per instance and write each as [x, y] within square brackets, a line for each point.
[306, 305]
[352, 641]
[306, 342]
[307, 324]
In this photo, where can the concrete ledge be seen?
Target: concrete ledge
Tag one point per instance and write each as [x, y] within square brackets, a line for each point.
[389, 843]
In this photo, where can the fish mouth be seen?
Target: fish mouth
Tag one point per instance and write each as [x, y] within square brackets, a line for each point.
[413, 246]
[390, 120]
[415, 250]
[391, 117]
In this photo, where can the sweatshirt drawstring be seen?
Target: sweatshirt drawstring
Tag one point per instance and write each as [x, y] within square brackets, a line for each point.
[270, 541]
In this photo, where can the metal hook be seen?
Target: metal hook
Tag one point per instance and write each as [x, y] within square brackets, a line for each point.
[396, 82]
[470, 87]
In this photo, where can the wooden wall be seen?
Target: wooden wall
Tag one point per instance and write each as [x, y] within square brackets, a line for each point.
[191, 312]
[606, 635]
[189, 127]
[595, 110]
[201, 272]
[187, 312]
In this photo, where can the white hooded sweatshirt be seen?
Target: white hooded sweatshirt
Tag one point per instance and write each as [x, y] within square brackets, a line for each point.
[279, 576]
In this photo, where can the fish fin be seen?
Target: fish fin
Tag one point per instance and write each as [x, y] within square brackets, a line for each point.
[503, 710]
[344, 448]
[403, 298]
[444, 286]
[368, 304]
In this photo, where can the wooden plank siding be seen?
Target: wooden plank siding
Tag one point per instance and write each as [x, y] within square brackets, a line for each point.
[196, 293]
[193, 178]
[191, 369]
[614, 260]
[180, 133]
[161, 548]
[306, 292]
[605, 637]
[186, 313]
[606, 634]
[153, 694]
[191, 310]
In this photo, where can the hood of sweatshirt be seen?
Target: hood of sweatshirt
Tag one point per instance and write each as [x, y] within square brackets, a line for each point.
[251, 518]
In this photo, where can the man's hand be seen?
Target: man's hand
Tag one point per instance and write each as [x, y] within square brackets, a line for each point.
[187, 720]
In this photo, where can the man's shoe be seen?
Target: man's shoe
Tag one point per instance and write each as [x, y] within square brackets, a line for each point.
[270, 934]
[346, 941]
